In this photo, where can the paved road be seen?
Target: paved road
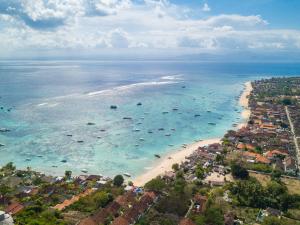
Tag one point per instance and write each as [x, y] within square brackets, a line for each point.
[294, 136]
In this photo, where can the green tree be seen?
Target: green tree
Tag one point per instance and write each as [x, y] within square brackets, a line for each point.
[214, 216]
[271, 220]
[276, 174]
[220, 158]
[238, 171]
[179, 185]
[287, 101]
[9, 166]
[156, 184]
[102, 198]
[175, 167]
[249, 193]
[68, 174]
[5, 190]
[258, 149]
[174, 203]
[199, 172]
[118, 180]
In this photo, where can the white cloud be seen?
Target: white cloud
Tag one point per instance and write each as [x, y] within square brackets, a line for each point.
[206, 8]
[106, 7]
[122, 24]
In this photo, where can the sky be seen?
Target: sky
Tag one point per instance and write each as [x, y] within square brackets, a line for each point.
[100, 29]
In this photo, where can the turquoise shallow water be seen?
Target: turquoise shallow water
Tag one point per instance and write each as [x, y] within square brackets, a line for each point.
[50, 101]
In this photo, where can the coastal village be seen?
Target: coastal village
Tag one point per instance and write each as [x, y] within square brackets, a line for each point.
[250, 176]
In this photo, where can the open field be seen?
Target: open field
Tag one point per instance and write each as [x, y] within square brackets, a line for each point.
[292, 184]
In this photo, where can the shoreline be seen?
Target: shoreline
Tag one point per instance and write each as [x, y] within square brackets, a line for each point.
[179, 156]
[244, 102]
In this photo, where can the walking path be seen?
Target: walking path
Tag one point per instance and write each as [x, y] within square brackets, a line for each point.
[294, 136]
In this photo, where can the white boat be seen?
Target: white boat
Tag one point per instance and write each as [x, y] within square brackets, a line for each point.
[4, 130]
[84, 170]
[127, 174]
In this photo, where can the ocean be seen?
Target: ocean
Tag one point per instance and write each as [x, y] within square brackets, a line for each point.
[59, 113]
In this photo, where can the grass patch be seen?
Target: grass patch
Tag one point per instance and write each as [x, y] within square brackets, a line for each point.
[291, 184]
[262, 178]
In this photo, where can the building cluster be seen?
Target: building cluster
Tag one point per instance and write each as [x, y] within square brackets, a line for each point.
[124, 210]
[268, 138]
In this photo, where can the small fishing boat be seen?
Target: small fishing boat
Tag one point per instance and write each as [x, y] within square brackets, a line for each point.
[197, 115]
[64, 161]
[160, 129]
[157, 156]
[80, 141]
[212, 123]
[165, 112]
[150, 131]
[90, 124]
[2, 145]
[175, 109]
[84, 170]
[127, 174]
[142, 139]
[136, 130]
[127, 118]
[139, 104]
[4, 130]
[113, 107]
[69, 135]
[167, 135]
[102, 130]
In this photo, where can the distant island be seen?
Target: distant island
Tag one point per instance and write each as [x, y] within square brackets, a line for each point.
[249, 176]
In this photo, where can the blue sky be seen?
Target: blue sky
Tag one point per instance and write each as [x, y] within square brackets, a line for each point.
[143, 28]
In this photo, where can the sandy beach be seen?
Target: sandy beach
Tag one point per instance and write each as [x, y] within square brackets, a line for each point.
[165, 163]
[244, 101]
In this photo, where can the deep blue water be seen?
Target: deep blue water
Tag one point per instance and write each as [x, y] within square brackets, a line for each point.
[50, 101]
